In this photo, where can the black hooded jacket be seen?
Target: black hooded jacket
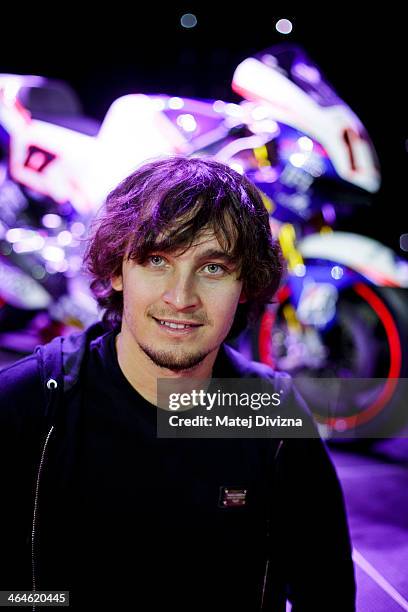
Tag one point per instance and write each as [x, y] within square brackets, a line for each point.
[290, 540]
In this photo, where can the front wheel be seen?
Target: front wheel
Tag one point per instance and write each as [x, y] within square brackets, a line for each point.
[363, 351]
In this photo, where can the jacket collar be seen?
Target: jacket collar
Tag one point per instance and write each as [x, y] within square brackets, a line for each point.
[63, 357]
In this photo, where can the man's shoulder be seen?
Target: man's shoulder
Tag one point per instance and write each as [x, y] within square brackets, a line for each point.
[21, 390]
[235, 364]
[60, 359]
[20, 372]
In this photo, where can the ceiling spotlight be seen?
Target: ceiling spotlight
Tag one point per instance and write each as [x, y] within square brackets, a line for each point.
[284, 26]
[188, 20]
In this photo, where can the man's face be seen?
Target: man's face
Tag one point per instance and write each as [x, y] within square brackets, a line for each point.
[199, 288]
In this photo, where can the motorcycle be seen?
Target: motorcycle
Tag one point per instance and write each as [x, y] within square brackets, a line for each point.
[340, 313]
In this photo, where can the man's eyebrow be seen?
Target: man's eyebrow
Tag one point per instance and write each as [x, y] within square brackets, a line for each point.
[217, 254]
[207, 254]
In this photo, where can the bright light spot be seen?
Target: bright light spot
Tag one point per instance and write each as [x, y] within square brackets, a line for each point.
[53, 254]
[404, 242]
[53, 267]
[317, 169]
[51, 221]
[159, 104]
[266, 174]
[50, 268]
[77, 228]
[337, 272]
[305, 143]
[75, 263]
[219, 106]
[25, 240]
[297, 159]
[233, 110]
[38, 272]
[16, 234]
[237, 167]
[340, 425]
[188, 20]
[175, 103]
[30, 244]
[260, 112]
[187, 123]
[267, 126]
[329, 213]
[64, 238]
[309, 73]
[324, 431]
[61, 266]
[284, 26]
[402, 271]
[299, 270]
[11, 92]
[269, 60]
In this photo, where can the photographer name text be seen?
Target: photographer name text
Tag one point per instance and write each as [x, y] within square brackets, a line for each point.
[230, 422]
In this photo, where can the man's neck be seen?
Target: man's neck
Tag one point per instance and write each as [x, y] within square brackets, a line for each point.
[142, 373]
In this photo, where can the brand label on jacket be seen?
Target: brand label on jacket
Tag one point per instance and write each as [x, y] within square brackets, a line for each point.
[232, 497]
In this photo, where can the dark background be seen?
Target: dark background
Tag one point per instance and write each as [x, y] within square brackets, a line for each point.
[117, 50]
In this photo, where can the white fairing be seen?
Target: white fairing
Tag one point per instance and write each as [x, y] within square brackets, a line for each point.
[369, 257]
[84, 169]
[20, 290]
[290, 105]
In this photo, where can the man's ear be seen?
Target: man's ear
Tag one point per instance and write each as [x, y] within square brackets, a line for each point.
[117, 283]
[242, 298]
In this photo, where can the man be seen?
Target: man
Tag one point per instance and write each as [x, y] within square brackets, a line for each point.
[181, 258]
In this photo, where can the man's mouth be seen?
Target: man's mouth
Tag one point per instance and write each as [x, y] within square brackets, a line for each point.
[177, 325]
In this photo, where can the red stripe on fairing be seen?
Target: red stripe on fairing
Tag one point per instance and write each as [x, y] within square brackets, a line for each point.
[394, 371]
[22, 111]
[265, 338]
[386, 318]
[380, 279]
[283, 294]
[265, 328]
[249, 95]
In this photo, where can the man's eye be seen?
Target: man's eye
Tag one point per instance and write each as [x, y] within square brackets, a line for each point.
[215, 268]
[156, 260]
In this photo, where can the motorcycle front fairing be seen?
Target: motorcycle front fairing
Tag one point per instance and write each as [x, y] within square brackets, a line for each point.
[292, 87]
[333, 263]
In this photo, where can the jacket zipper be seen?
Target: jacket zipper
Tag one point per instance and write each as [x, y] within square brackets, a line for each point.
[268, 532]
[264, 584]
[34, 525]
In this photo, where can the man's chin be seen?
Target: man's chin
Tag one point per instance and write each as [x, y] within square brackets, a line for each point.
[171, 360]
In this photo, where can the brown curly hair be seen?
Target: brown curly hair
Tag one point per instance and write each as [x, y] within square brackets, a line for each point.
[163, 206]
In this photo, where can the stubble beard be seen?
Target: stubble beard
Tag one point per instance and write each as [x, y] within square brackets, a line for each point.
[172, 361]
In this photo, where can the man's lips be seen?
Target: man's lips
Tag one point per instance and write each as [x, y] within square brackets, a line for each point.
[172, 329]
[179, 322]
[190, 324]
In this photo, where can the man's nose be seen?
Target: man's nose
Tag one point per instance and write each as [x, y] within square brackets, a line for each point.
[181, 293]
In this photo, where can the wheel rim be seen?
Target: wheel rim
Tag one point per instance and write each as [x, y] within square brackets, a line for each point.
[385, 317]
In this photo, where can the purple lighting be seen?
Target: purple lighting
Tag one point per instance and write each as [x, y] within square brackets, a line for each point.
[329, 214]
